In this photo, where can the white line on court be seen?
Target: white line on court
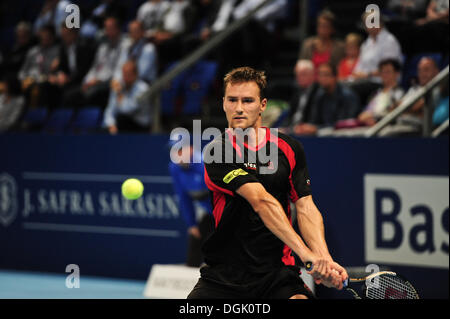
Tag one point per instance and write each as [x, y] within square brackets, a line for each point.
[94, 177]
[101, 229]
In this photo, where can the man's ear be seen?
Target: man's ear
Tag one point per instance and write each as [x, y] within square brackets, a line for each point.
[263, 106]
[223, 103]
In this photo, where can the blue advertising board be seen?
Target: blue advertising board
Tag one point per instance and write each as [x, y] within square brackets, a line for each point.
[384, 202]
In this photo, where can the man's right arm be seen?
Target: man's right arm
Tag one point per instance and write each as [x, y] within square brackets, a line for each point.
[275, 219]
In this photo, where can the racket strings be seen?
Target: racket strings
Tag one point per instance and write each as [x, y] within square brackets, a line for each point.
[390, 287]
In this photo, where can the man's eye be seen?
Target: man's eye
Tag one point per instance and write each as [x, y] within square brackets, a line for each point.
[247, 100]
[232, 99]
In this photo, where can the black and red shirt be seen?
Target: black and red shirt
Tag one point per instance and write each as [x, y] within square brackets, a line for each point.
[241, 239]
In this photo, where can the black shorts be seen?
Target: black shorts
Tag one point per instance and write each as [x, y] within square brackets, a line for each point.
[281, 283]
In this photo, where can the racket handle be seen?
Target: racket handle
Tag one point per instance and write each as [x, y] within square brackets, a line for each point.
[309, 266]
[345, 283]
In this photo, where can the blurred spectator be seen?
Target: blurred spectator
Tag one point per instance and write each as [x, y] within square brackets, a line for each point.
[332, 102]
[191, 190]
[401, 10]
[437, 11]
[348, 63]
[53, 12]
[379, 45]
[440, 114]
[323, 48]
[151, 13]
[136, 48]
[107, 8]
[430, 34]
[74, 60]
[204, 15]
[300, 106]
[13, 60]
[38, 66]
[411, 122]
[169, 33]
[95, 86]
[124, 112]
[387, 96]
[11, 103]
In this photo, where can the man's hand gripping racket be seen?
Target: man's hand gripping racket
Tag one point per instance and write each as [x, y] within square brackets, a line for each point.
[327, 273]
[379, 285]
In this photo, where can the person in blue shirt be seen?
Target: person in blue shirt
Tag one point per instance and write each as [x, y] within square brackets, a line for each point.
[190, 187]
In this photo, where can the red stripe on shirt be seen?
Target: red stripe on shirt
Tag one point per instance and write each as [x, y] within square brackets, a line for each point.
[219, 205]
[213, 187]
[289, 153]
[287, 258]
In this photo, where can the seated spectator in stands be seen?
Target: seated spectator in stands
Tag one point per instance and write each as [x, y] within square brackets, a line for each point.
[53, 12]
[259, 34]
[427, 69]
[95, 19]
[124, 112]
[379, 45]
[348, 63]
[332, 102]
[168, 34]
[323, 48]
[441, 111]
[151, 14]
[137, 48]
[11, 103]
[411, 122]
[38, 66]
[74, 60]
[387, 96]
[13, 60]
[431, 32]
[401, 19]
[96, 83]
[300, 106]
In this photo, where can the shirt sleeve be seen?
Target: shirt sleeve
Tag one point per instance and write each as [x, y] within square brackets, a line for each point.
[300, 181]
[221, 176]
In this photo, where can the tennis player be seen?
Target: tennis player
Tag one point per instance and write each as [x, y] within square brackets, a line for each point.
[249, 254]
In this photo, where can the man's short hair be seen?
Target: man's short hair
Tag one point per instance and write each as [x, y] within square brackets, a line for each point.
[304, 64]
[246, 74]
[394, 62]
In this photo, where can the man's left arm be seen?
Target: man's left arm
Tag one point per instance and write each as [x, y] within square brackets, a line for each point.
[310, 223]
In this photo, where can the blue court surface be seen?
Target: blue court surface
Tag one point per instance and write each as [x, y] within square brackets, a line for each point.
[37, 285]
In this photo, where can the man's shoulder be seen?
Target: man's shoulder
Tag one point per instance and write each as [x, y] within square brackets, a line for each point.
[292, 142]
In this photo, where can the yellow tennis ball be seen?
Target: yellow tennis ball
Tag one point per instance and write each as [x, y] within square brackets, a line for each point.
[132, 188]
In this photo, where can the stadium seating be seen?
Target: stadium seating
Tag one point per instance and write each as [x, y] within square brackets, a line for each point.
[58, 121]
[196, 86]
[86, 120]
[34, 119]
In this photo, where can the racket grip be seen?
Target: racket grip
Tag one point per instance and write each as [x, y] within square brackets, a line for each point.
[345, 283]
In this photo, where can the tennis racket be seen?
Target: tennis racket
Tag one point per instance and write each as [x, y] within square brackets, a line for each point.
[379, 285]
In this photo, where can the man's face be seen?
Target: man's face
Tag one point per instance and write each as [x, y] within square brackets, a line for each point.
[129, 74]
[242, 104]
[426, 71]
[135, 31]
[305, 77]
[325, 77]
[46, 38]
[112, 30]
[388, 74]
[68, 36]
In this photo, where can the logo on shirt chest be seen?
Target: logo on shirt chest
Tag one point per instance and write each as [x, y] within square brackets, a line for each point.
[252, 166]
